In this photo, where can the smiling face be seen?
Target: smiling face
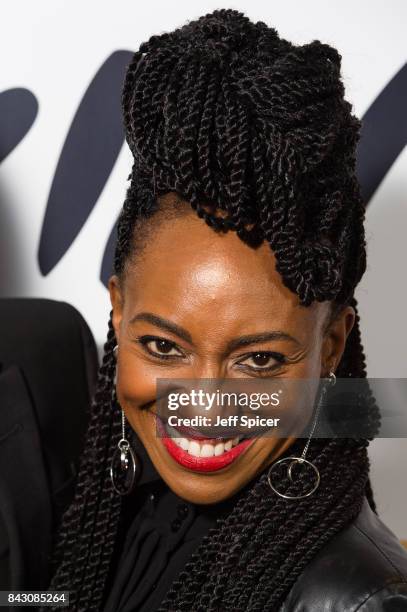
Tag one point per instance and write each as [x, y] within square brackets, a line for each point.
[185, 308]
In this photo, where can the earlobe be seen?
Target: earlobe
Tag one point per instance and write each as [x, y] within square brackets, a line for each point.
[116, 301]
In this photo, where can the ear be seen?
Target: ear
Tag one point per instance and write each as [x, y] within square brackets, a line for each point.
[335, 339]
[116, 300]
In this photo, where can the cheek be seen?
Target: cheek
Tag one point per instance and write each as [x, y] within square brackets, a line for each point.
[136, 381]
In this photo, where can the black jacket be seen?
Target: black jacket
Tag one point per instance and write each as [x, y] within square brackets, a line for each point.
[48, 368]
[363, 568]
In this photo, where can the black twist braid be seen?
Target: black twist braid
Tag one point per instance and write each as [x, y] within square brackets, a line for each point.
[87, 532]
[254, 134]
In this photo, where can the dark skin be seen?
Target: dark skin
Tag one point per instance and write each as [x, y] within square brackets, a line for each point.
[216, 289]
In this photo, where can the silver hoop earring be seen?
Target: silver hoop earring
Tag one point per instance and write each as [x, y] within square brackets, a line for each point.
[125, 464]
[292, 461]
[332, 378]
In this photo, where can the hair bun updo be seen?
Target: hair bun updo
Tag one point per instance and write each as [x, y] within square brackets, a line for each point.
[231, 116]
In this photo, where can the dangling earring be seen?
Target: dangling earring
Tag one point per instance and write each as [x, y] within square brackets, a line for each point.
[125, 464]
[301, 460]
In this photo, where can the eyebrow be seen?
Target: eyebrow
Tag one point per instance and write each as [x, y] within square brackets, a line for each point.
[165, 324]
[261, 337]
[179, 331]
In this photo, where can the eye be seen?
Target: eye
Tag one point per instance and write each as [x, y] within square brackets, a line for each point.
[160, 347]
[262, 360]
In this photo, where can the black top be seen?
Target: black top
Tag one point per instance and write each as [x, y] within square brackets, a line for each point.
[362, 568]
[157, 535]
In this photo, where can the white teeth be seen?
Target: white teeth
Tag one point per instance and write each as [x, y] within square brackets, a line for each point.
[194, 448]
[184, 444]
[207, 450]
[219, 449]
[201, 449]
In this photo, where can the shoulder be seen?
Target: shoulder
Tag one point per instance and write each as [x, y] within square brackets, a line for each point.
[362, 568]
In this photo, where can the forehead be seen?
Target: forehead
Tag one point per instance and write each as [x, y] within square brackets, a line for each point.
[187, 270]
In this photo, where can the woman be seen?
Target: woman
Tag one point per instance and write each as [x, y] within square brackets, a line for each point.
[240, 245]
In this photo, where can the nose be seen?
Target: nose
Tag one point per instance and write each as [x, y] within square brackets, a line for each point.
[209, 369]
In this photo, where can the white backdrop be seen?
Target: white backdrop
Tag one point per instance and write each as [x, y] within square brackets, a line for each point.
[54, 48]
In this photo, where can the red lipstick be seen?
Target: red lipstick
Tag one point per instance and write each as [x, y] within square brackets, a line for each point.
[200, 464]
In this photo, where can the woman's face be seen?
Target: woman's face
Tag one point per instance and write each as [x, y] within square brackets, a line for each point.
[185, 309]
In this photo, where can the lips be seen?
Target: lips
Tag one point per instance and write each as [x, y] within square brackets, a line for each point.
[198, 453]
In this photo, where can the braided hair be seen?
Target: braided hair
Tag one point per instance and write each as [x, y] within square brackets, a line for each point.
[229, 117]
